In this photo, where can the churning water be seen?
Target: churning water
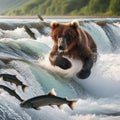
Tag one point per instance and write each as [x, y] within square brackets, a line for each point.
[98, 96]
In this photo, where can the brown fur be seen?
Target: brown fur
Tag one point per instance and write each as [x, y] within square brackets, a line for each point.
[80, 45]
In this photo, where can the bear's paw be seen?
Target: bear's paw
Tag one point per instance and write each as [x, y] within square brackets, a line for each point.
[83, 74]
[62, 63]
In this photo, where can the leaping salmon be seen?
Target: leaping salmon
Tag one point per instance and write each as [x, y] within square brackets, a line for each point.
[49, 99]
[30, 33]
[40, 17]
[11, 92]
[13, 79]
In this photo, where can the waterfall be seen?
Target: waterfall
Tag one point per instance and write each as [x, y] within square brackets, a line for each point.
[98, 96]
[98, 35]
[112, 32]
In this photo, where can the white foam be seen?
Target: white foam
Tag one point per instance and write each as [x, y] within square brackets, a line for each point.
[104, 80]
[76, 66]
[35, 31]
[46, 40]
[117, 24]
[14, 34]
[94, 117]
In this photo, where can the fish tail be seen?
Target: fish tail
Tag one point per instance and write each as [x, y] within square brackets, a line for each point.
[34, 36]
[24, 87]
[72, 103]
[22, 103]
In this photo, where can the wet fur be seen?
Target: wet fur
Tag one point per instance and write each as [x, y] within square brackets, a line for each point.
[80, 45]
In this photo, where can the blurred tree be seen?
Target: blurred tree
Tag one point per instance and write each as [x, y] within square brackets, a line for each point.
[73, 5]
[68, 7]
[115, 7]
[98, 6]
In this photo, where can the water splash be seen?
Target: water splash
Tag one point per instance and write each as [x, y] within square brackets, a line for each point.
[98, 96]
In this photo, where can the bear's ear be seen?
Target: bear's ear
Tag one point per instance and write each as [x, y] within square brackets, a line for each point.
[74, 24]
[54, 24]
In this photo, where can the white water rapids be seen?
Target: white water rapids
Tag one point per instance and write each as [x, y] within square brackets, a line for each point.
[98, 96]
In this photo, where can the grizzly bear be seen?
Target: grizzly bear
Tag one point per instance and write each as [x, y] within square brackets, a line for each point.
[72, 42]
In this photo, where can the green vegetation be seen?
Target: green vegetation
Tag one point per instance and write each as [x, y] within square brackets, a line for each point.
[114, 7]
[68, 7]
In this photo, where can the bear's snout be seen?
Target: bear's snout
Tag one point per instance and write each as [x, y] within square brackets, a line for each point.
[61, 47]
[62, 44]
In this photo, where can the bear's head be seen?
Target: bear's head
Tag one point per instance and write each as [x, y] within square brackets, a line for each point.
[65, 35]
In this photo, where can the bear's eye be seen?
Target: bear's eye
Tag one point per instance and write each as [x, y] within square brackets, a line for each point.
[55, 36]
[68, 38]
[59, 36]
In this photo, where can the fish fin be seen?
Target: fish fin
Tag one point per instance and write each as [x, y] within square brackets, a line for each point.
[72, 103]
[51, 105]
[24, 87]
[34, 37]
[60, 106]
[52, 92]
